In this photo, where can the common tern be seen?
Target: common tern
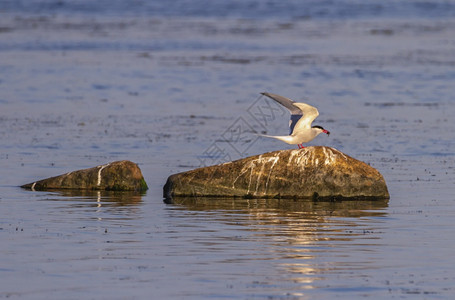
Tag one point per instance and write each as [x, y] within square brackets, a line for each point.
[302, 115]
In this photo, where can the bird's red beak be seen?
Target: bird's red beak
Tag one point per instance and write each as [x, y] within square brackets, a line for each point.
[326, 131]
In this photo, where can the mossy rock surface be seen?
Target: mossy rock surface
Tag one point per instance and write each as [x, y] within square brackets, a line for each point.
[115, 176]
[313, 173]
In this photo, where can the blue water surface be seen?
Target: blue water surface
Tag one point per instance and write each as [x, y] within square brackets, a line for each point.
[175, 85]
[256, 9]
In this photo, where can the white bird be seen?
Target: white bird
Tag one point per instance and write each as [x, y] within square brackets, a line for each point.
[302, 115]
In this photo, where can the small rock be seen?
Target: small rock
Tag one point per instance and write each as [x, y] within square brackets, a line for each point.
[116, 176]
[313, 172]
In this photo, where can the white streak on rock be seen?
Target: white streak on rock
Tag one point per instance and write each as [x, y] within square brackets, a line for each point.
[276, 159]
[250, 166]
[243, 171]
[342, 154]
[33, 186]
[338, 152]
[330, 157]
[326, 162]
[99, 173]
[304, 157]
[291, 157]
[259, 177]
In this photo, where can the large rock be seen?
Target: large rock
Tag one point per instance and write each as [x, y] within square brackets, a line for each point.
[313, 172]
[115, 176]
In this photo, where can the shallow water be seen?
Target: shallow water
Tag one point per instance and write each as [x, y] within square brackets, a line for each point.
[173, 91]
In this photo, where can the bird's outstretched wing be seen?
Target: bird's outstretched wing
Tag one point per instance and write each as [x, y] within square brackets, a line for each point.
[309, 114]
[286, 102]
[297, 109]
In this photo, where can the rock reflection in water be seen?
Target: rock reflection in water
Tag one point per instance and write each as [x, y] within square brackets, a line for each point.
[112, 198]
[304, 239]
[85, 205]
[286, 207]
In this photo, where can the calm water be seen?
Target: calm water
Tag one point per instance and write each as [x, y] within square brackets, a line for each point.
[176, 86]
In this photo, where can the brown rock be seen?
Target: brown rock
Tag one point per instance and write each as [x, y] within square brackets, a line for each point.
[116, 176]
[313, 172]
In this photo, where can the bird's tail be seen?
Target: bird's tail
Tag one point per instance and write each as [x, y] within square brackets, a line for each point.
[285, 138]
